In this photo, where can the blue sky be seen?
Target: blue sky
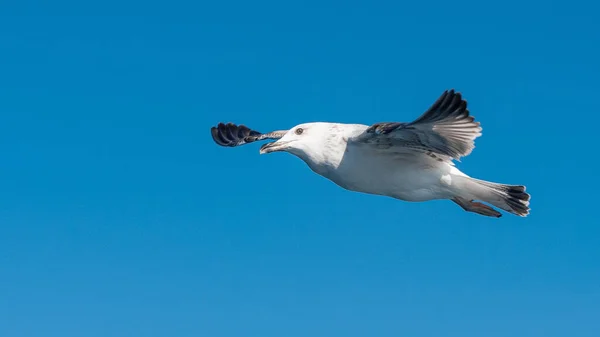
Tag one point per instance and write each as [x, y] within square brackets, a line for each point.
[120, 217]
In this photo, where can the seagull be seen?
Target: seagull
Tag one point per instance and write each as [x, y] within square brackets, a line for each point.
[412, 161]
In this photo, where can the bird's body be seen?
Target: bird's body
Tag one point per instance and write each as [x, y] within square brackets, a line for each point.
[394, 176]
[358, 168]
[406, 161]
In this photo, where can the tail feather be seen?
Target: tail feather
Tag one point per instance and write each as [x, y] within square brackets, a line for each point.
[511, 198]
[518, 199]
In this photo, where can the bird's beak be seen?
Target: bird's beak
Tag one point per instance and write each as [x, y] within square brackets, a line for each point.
[274, 146]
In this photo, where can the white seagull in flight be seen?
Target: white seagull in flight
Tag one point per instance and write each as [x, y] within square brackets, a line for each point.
[406, 161]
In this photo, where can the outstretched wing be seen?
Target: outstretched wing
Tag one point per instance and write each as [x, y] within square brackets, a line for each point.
[446, 129]
[232, 135]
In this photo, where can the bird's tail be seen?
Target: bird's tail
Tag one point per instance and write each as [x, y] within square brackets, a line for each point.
[511, 198]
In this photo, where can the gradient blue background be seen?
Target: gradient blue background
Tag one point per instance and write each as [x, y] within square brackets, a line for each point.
[120, 217]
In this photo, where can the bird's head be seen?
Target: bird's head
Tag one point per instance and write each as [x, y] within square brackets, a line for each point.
[318, 144]
[304, 140]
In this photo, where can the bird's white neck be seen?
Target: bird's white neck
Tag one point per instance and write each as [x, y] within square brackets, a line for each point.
[325, 153]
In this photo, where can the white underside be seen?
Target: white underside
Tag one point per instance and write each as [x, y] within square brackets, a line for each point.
[405, 176]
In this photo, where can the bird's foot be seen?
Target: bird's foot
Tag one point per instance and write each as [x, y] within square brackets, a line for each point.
[476, 207]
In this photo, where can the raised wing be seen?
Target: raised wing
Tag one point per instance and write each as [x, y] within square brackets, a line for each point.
[232, 135]
[446, 129]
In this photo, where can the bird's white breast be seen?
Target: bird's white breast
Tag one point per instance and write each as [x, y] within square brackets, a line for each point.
[402, 176]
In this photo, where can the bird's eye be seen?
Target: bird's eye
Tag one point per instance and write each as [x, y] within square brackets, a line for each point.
[299, 131]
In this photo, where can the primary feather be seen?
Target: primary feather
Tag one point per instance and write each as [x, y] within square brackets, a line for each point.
[446, 129]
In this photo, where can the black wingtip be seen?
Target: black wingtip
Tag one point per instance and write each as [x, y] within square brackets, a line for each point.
[449, 104]
[230, 135]
[216, 135]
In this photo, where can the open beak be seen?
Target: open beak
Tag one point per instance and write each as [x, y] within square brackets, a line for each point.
[274, 147]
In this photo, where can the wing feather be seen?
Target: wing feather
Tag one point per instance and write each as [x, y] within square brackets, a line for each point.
[446, 129]
[232, 135]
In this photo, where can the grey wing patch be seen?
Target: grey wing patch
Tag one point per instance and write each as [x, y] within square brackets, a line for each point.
[232, 135]
[446, 129]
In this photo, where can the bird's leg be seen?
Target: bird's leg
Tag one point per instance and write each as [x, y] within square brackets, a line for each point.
[476, 207]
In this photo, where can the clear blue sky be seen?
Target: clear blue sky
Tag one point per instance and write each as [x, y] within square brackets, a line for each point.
[120, 217]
